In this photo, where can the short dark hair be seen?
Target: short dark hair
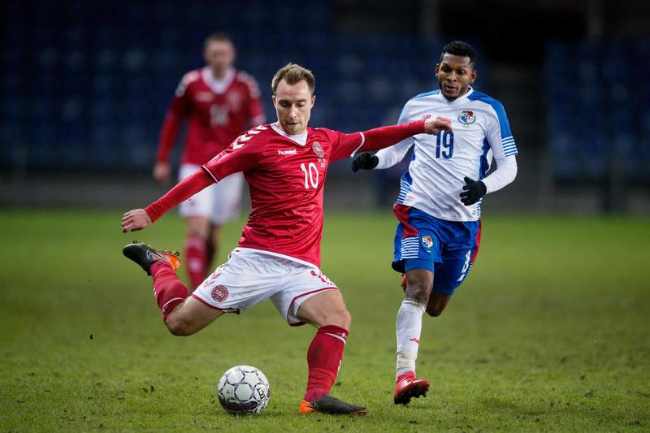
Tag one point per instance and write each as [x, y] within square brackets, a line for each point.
[217, 37]
[293, 73]
[460, 48]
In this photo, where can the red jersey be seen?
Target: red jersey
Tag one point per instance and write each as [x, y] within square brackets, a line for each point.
[286, 176]
[217, 111]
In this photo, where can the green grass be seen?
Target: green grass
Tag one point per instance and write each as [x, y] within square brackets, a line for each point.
[550, 333]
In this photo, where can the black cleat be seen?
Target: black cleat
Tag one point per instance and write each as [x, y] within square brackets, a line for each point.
[332, 406]
[145, 256]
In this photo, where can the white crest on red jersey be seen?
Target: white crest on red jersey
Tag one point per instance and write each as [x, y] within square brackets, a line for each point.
[234, 99]
[204, 96]
[318, 149]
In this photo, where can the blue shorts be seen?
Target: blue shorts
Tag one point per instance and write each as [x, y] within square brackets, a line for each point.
[446, 248]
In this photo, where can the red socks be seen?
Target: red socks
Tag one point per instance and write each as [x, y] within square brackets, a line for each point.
[324, 360]
[195, 256]
[167, 288]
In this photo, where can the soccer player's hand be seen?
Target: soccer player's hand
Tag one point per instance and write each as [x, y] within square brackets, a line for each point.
[364, 161]
[434, 125]
[162, 172]
[135, 219]
[473, 191]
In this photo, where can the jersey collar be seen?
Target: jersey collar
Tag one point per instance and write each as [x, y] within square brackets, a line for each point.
[300, 139]
[458, 100]
[218, 86]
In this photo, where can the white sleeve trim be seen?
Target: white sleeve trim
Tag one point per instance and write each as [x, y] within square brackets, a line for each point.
[505, 173]
[363, 141]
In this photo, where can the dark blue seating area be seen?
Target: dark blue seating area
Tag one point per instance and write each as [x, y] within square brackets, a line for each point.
[599, 109]
[85, 84]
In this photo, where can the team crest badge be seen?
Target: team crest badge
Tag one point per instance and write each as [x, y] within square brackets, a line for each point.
[204, 96]
[318, 149]
[427, 241]
[234, 100]
[467, 117]
[219, 293]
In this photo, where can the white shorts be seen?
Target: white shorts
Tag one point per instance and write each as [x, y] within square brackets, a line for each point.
[251, 276]
[219, 202]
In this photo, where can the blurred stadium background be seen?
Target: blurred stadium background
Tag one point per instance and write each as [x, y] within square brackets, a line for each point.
[85, 86]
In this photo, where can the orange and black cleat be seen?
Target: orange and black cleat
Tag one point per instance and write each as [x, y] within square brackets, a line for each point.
[145, 256]
[332, 406]
[407, 387]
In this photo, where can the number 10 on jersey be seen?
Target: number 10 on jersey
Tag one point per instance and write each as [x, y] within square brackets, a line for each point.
[445, 144]
[311, 175]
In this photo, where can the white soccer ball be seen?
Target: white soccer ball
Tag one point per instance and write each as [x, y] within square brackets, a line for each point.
[243, 389]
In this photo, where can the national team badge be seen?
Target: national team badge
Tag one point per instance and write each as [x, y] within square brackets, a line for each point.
[219, 293]
[234, 100]
[427, 241]
[467, 117]
[318, 149]
[204, 96]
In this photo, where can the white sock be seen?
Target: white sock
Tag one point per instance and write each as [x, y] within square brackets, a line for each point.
[409, 328]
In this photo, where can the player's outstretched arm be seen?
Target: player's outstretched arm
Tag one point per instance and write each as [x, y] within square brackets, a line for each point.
[379, 138]
[137, 219]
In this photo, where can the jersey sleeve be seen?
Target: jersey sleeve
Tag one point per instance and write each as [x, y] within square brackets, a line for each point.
[499, 135]
[177, 110]
[241, 155]
[393, 155]
[345, 145]
[179, 193]
[505, 174]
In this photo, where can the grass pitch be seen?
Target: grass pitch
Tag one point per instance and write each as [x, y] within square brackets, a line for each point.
[549, 333]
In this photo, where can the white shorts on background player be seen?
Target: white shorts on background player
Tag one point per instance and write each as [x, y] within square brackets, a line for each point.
[219, 202]
[251, 276]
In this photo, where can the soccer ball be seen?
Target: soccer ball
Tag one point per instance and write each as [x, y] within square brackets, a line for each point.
[243, 389]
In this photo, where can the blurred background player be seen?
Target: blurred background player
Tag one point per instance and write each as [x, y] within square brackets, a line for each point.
[278, 256]
[439, 204]
[219, 103]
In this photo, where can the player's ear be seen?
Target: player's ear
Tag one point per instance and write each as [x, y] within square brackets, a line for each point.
[473, 76]
[313, 100]
[273, 99]
[436, 69]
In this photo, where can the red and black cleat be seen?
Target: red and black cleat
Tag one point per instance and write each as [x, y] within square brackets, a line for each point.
[408, 387]
[332, 406]
[145, 256]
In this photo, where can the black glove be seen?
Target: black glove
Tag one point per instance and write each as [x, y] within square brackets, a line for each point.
[364, 161]
[473, 191]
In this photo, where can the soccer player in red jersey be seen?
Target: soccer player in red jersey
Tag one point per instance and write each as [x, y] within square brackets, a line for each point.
[219, 103]
[278, 257]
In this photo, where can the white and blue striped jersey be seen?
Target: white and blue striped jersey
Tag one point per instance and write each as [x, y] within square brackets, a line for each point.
[435, 176]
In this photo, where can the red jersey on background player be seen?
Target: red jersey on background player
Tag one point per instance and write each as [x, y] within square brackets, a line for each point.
[219, 103]
[278, 256]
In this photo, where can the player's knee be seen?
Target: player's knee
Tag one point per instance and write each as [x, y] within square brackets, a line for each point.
[340, 317]
[418, 291]
[346, 319]
[179, 327]
[437, 304]
[435, 311]
[198, 227]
